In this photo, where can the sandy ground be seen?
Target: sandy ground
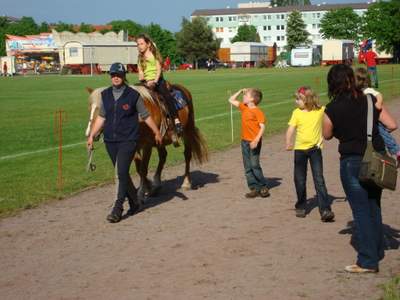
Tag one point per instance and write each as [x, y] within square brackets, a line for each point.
[209, 242]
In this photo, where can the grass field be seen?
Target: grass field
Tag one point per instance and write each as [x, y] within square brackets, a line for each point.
[28, 152]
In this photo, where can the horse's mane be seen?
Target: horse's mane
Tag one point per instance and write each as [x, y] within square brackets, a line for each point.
[95, 95]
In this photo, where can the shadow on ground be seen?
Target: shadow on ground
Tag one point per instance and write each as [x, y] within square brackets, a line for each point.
[273, 182]
[391, 236]
[313, 202]
[172, 188]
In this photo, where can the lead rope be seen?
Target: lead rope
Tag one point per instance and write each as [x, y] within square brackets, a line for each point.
[90, 165]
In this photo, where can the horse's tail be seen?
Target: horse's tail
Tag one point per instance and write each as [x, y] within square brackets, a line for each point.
[192, 135]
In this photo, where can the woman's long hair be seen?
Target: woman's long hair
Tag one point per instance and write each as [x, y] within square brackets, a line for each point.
[153, 50]
[341, 81]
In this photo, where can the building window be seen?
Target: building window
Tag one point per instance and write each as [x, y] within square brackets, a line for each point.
[282, 38]
[318, 25]
[278, 38]
[318, 15]
[283, 17]
[264, 27]
[217, 19]
[230, 19]
[221, 19]
[234, 18]
[314, 26]
[73, 52]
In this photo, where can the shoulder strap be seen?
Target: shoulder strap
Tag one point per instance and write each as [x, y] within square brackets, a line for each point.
[370, 118]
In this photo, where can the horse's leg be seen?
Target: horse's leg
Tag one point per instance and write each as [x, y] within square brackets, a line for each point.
[187, 182]
[145, 184]
[162, 157]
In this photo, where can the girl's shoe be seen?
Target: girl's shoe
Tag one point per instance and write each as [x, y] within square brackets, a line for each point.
[358, 269]
[178, 129]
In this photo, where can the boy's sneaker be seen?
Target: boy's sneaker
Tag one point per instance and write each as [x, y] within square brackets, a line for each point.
[264, 192]
[300, 212]
[327, 216]
[252, 194]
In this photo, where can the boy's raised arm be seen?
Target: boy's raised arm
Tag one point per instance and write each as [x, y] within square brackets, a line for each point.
[233, 99]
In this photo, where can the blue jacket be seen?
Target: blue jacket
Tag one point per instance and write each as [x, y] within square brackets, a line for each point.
[121, 117]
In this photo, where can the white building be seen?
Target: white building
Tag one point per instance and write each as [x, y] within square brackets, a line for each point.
[271, 22]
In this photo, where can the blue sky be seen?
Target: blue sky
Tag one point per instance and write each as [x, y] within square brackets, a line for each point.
[167, 13]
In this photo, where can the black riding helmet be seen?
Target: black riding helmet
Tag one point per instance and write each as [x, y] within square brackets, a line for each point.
[117, 68]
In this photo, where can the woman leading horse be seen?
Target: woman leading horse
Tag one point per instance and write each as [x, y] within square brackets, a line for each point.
[147, 138]
[119, 111]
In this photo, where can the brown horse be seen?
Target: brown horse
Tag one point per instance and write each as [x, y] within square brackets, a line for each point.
[194, 143]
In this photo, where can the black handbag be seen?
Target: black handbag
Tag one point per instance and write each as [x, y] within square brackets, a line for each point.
[376, 168]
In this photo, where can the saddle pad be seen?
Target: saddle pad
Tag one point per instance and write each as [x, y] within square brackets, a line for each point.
[180, 101]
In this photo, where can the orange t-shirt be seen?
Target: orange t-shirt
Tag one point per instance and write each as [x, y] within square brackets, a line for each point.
[251, 118]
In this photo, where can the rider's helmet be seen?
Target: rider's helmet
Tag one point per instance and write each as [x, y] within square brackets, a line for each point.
[117, 68]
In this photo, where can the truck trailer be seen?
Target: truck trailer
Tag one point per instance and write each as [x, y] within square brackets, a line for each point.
[337, 52]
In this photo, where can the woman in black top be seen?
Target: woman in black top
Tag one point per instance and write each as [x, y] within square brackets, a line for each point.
[346, 119]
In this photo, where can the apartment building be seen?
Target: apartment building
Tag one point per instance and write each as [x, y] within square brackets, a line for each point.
[271, 22]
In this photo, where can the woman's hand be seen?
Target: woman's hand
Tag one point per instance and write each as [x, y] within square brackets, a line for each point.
[89, 142]
[158, 137]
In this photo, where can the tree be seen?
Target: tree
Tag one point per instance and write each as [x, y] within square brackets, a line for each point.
[132, 28]
[87, 28]
[25, 26]
[342, 23]
[246, 33]
[3, 27]
[164, 40]
[44, 27]
[61, 26]
[196, 40]
[382, 23]
[296, 32]
[290, 2]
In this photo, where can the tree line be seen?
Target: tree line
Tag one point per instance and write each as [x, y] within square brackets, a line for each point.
[196, 40]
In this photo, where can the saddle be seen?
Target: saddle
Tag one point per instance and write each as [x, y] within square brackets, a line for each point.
[156, 99]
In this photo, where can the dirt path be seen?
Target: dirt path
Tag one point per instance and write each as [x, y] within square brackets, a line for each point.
[210, 242]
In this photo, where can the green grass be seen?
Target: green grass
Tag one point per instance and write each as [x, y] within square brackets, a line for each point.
[391, 290]
[28, 105]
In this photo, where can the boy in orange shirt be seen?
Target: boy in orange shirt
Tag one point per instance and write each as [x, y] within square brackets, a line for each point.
[253, 126]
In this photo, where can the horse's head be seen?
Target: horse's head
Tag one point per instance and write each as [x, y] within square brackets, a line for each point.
[94, 100]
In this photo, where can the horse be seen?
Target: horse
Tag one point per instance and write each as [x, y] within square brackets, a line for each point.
[193, 141]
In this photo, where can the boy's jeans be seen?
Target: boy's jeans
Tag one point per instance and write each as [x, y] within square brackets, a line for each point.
[365, 205]
[252, 169]
[301, 158]
[389, 140]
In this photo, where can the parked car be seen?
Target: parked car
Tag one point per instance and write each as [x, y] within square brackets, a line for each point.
[185, 66]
